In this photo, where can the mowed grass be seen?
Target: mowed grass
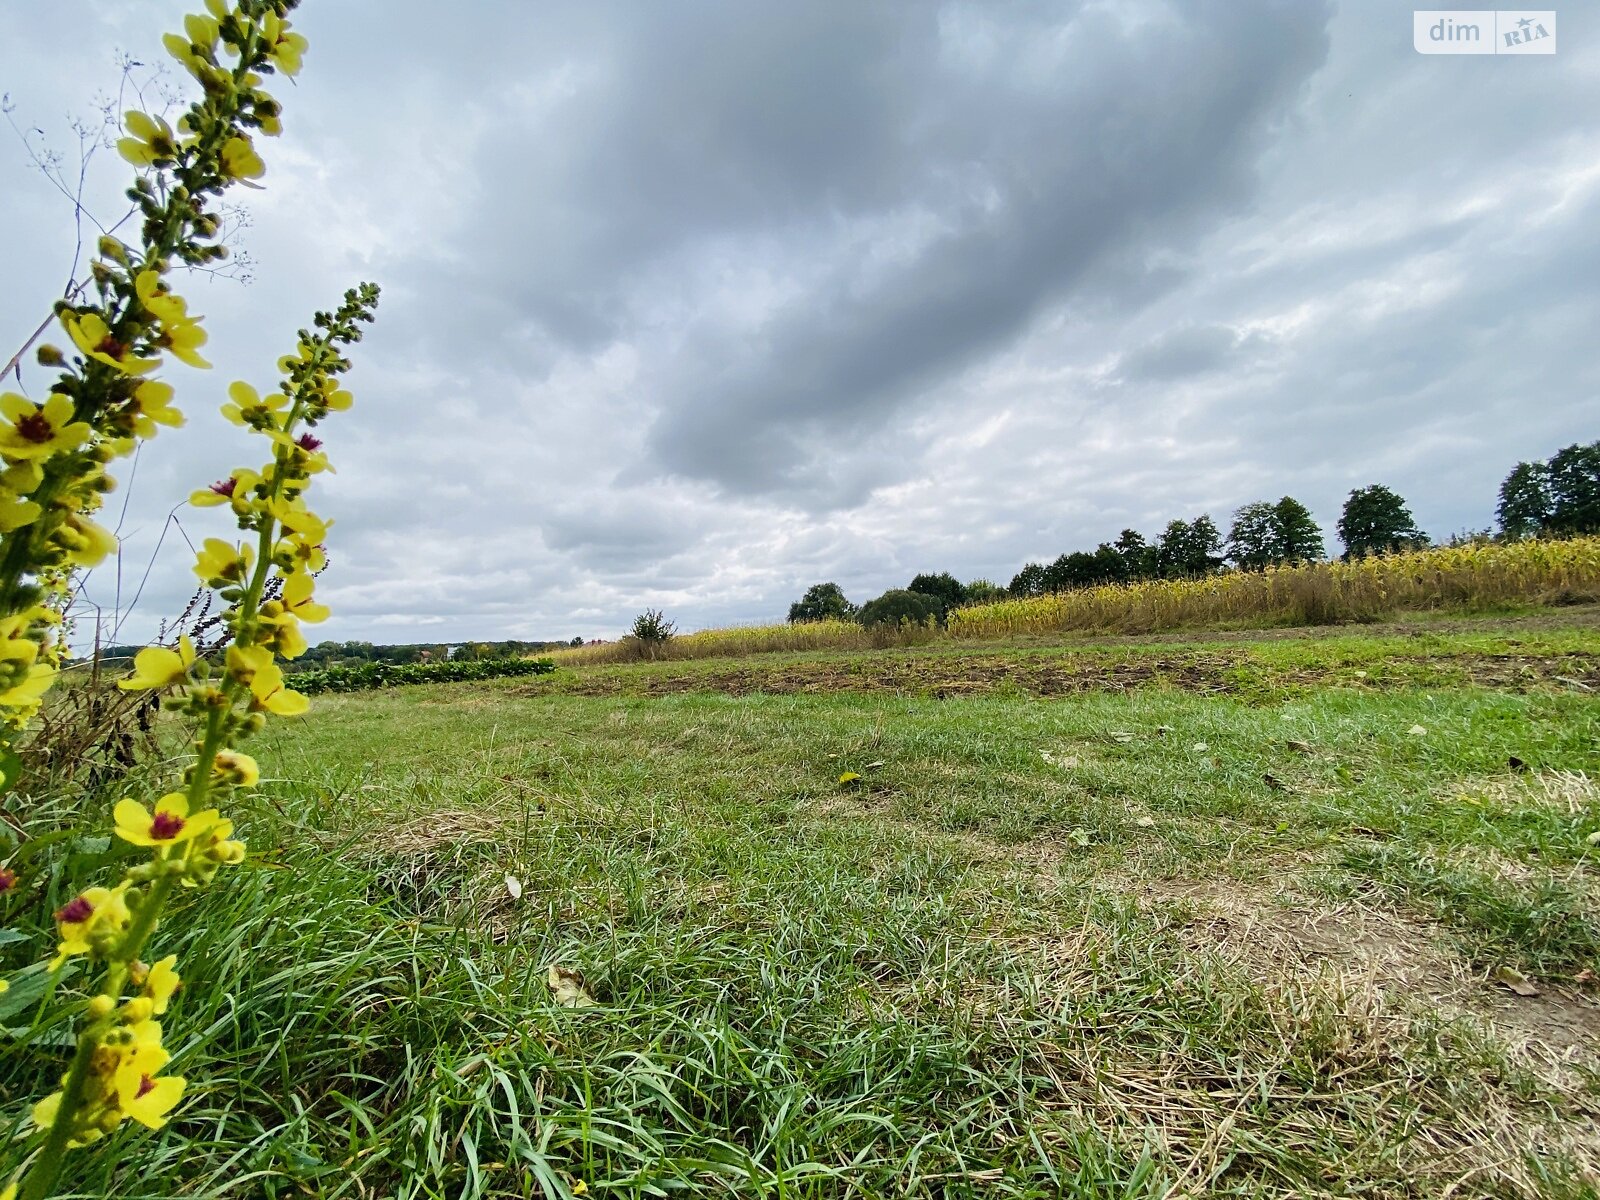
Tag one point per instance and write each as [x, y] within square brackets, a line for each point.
[1150, 941]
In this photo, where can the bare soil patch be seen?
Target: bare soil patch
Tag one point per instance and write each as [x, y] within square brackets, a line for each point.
[949, 675]
[1275, 933]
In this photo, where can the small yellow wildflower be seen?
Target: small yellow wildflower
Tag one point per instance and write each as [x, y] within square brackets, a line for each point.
[232, 767]
[98, 910]
[162, 983]
[240, 160]
[23, 698]
[86, 544]
[15, 513]
[152, 140]
[249, 408]
[221, 562]
[148, 1101]
[169, 825]
[33, 431]
[93, 336]
[157, 667]
[286, 48]
[254, 668]
[150, 406]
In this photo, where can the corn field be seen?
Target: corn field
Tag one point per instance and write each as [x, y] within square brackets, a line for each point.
[1457, 578]
[1463, 578]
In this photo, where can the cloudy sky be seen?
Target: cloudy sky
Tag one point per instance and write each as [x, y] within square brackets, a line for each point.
[690, 305]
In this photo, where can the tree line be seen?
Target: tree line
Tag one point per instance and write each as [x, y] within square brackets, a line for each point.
[1554, 498]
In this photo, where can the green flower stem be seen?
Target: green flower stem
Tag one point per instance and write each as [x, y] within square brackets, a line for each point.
[42, 1175]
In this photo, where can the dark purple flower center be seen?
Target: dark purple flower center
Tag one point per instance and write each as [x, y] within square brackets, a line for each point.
[111, 348]
[224, 487]
[75, 911]
[308, 443]
[35, 428]
[146, 1086]
[166, 825]
[8, 879]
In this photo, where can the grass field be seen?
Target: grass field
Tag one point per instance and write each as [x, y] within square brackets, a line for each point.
[1203, 916]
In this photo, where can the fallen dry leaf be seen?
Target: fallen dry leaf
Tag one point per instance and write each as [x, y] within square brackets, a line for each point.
[1200, 747]
[1145, 822]
[514, 886]
[1298, 746]
[567, 988]
[1516, 981]
[1418, 731]
[849, 777]
[1584, 976]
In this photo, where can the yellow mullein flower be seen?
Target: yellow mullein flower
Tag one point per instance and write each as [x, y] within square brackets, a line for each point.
[169, 825]
[148, 1101]
[184, 338]
[250, 409]
[232, 767]
[180, 332]
[286, 48]
[157, 667]
[305, 454]
[300, 553]
[281, 632]
[240, 160]
[297, 600]
[221, 562]
[15, 513]
[158, 300]
[98, 910]
[23, 699]
[86, 544]
[150, 406]
[294, 516]
[253, 667]
[32, 431]
[161, 983]
[152, 140]
[93, 336]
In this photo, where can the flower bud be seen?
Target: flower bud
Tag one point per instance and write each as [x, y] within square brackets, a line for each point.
[100, 1008]
[110, 248]
[50, 356]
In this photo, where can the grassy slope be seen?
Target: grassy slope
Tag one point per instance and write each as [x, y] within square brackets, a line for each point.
[1042, 948]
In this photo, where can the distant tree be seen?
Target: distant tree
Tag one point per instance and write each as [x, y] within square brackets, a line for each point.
[1301, 536]
[652, 627]
[1189, 549]
[1253, 541]
[982, 591]
[1574, 474]
[1109, 565]
[899, 605]
[577, 641]
[943, 587]
[1032, 580]
[822, 602]
[1138, 556]
[1376, 521]
[1265, 534]
[1525, 506]
[1171, 548]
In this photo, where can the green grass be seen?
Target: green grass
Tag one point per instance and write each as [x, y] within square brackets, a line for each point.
[1041, 948]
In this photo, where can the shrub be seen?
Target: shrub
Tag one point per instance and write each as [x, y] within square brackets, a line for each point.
[365, 676]
[900, 606]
